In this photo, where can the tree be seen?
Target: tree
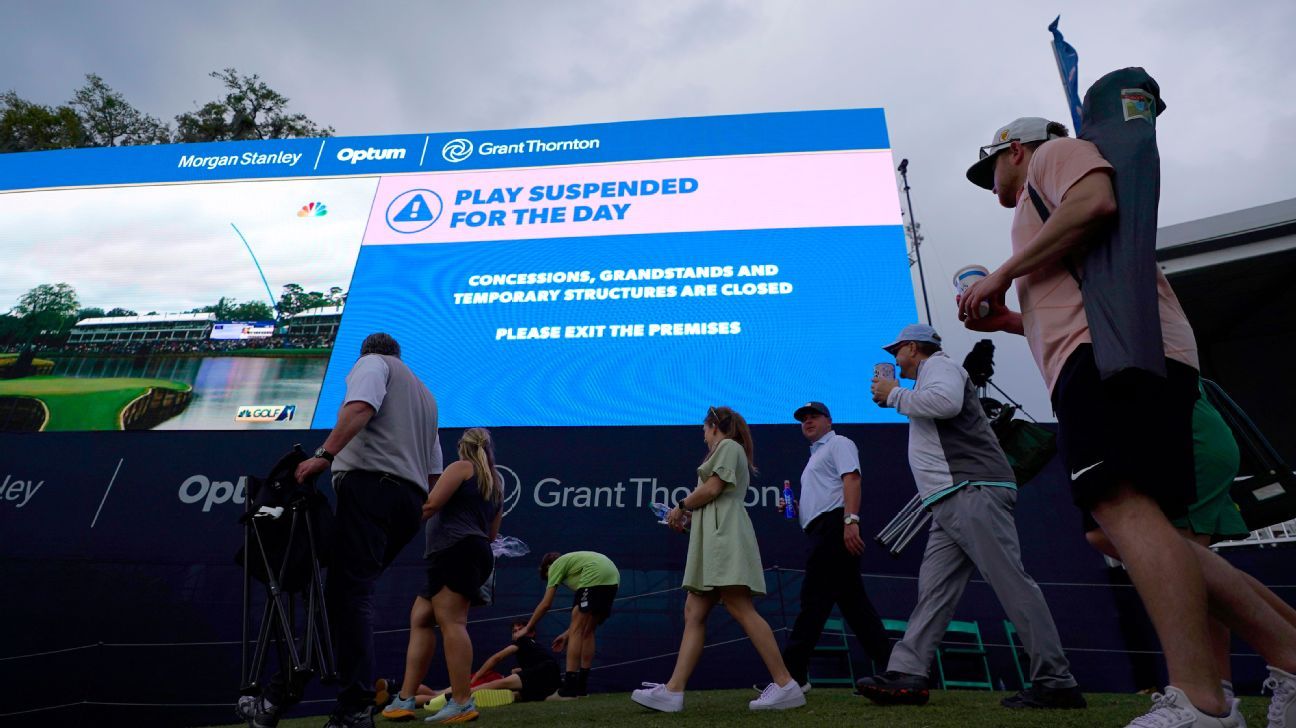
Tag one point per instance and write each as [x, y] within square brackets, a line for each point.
[110, 121]
[86, 313]
[251, 311]
[29, 127]
[250, 109]
[48, 308]
[121, 312]
[291, 300]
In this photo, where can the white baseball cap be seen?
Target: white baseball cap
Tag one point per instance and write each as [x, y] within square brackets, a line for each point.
[1024, 130]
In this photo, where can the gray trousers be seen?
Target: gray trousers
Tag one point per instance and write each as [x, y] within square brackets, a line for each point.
[974, 528]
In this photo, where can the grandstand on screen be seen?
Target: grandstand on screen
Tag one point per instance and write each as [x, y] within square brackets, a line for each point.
[170, 327]
[319, 322]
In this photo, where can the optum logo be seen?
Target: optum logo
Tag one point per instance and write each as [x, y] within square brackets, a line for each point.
[347, 154]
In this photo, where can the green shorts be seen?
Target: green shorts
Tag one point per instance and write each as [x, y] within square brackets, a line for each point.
[1216, 457]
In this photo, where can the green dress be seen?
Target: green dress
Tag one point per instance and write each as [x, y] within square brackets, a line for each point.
[722, 543]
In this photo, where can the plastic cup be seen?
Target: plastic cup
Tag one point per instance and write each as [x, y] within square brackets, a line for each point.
[963, 280]
[884, 370]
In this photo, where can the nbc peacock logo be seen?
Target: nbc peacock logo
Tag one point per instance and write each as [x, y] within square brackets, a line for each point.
[313, 209]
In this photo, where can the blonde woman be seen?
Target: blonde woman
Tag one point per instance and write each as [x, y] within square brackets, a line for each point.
[464, 512]
[724, 565]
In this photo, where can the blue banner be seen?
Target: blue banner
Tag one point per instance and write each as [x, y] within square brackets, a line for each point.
[1068, 63]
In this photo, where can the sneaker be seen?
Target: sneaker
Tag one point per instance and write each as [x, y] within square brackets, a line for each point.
[362, 718]
[894, 688]
[385, 691]
[657, 697]
[454, 712]
[492, 698]
[776, 697]
[805, 687]
[1282, 706]
[1039, 696]
[258, 711]
[400, 709]
[1172, 709]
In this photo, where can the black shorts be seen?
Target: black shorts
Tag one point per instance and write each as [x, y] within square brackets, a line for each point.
[540, 682]
[464, 568]
[1135, 427]
[595, 601]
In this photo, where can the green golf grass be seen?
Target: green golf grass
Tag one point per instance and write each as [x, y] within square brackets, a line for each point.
[825, 707]
[84, 404]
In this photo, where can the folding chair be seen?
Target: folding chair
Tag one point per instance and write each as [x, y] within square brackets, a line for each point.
[975, 648]
[1015, 647]
[837, 646]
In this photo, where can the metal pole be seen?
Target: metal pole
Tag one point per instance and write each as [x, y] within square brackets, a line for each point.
[913, 227]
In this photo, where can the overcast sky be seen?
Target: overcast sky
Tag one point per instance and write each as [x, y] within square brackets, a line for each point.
[947, 74]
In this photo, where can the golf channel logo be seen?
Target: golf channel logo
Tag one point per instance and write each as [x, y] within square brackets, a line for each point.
[313, 209]
[413, 211]
[457, 150]
[265, 413]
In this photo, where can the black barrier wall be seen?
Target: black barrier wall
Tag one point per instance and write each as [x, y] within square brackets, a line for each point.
[122, 600]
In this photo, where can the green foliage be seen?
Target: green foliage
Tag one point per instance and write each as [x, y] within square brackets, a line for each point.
[250, 109]
[98, 116]
[296, 299]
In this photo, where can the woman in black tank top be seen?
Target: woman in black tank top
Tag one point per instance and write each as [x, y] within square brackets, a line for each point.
[463, 511]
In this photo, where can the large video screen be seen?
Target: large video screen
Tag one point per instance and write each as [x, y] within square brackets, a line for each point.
[612, 274]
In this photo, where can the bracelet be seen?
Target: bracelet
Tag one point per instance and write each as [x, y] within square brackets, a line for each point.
[683, 507]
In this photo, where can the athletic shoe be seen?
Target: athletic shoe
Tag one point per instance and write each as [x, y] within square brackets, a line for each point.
[1172, 709]
[657, 697]
[776, 697]
[362, 718]
[385, 691]
[894, 688]
[455, 713]
[805, 687]
[492, 698]
[258, 711]
[400, 709]
[1282, 706]
[1039, 696]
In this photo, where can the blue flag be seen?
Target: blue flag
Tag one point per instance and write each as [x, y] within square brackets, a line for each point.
[1068, 63]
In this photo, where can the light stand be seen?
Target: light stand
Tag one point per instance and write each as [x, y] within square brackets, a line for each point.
[913, 227]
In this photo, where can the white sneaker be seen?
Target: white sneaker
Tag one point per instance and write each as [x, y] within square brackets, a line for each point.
[1282, 706]
[1174, 710]
[805, 687]
[775, 697]
[657, 697]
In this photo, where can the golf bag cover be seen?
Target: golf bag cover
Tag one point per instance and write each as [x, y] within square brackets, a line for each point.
[280, 490]
[1118, 279]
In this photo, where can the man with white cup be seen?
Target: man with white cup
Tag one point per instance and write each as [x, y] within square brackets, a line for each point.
[965, 480]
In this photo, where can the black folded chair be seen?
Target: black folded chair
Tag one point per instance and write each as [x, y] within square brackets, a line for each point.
[284, 523]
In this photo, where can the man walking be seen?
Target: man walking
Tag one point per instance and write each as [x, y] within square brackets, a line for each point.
[1126, 438]
[965, 480]
[385, 455]
[829, 514]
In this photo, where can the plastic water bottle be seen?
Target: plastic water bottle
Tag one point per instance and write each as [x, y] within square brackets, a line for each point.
[789, 508]
[509, 547]
[660, 510]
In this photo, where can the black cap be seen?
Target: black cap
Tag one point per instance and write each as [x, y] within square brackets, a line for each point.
[811, 407]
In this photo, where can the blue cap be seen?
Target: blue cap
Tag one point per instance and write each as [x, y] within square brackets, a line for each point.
[914, 332]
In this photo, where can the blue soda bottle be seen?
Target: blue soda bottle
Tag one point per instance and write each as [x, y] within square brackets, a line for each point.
[789, 509]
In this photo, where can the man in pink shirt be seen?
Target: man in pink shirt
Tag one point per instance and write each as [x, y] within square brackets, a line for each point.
[1127, 439]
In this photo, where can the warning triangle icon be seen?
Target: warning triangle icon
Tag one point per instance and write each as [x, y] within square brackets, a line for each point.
[416, 210]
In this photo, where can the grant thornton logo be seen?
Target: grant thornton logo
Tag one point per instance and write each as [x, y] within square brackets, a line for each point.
[512, 488]
[457, 150]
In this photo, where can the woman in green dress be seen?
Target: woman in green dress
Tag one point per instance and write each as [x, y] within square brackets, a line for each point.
[723, 566]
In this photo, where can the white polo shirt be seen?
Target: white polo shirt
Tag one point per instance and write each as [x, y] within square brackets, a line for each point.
[831, 457]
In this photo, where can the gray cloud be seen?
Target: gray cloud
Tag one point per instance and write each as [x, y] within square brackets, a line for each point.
[947, 73]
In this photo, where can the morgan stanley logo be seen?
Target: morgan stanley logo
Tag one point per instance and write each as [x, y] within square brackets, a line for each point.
[457, 150]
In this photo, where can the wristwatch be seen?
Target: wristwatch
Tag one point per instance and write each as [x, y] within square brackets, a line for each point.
[851, 518]
[322, 453]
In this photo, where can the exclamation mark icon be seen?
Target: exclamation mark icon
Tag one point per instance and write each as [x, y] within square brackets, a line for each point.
[414, 208]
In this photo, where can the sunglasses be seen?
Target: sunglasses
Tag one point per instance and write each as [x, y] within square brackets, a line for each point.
[990, 149]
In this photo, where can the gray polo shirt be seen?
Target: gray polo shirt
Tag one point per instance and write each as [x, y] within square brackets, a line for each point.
[401, 438]
[831, 457]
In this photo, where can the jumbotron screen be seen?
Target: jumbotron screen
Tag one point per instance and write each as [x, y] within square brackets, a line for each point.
[629, 273]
